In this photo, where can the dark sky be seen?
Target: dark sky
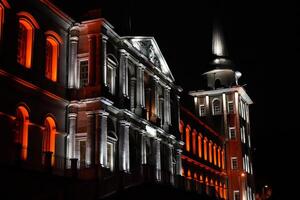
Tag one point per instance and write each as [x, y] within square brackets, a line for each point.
[263, 42]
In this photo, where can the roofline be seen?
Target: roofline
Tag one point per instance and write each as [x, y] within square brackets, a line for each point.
[58, 11]
[158, 49]
[238, 89]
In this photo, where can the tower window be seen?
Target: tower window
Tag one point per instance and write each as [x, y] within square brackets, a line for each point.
[210, 151]
[202, 110]
[236, 195]
[84, 72]
[216, 107]
[230, 107]
[232, 133]
[205, 148]
[234, 163]
[199, 146]
[187, 135]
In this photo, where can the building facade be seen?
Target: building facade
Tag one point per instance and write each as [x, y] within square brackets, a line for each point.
[203, 156]
[81, 101]
[225, 104]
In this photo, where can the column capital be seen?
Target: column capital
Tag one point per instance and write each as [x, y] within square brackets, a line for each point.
[89, 113]
[102, 113]
[123, 52]
[104, 37]
[141, 66]
[156, 78]
[178, 151]
[167, 87]
[157, 139]
[72, 115]
[124, 123]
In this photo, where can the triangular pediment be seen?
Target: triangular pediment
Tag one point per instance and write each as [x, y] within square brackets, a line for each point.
[149, 48]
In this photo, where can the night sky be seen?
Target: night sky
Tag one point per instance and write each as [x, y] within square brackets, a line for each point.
[262, 41]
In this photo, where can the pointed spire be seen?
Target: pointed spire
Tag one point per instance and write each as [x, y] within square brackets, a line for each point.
[218, 43]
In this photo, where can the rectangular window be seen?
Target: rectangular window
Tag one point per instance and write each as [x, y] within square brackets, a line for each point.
[84, 73]
[110, 156]
[111, 75]
[232, 133]
[202, 110]
[230, 107]
[234, 163]
[236, 195]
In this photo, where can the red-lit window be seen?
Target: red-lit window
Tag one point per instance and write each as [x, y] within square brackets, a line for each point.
[22, 122]
[223, 159]
[52, 54]
[25, 42]
[219, 157]
[210, 151]
[195, 176]
[215, 154]
[1, 20]
[187, 138]
[194, 142]
[189, 175]
[49, 135]
[200, 146]
[205, 148]
[221, 190]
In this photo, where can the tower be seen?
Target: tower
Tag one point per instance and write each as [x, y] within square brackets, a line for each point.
[224, 104]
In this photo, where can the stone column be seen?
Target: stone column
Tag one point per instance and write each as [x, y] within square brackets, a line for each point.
[143, 148]
[73, 68]
[101, 127]
[170, 162]
[123, 75]
[140, 93]
[72, 119]
[90, 139]
[104, 59]
[178, 162]
[157, 158]
[124, 159]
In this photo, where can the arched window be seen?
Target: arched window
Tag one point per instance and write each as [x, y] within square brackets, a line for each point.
[27, 26]
[194, 142]
[1, 20]
[221, 190]
[217, 187]
[215, 154]
[205, 148]
[210, 151]
[52, 55]
[216, 107]
[223, 159]
[219, 157]
[189, 175]
[195, 176]
[22, 122]
[200, 145]
[187, 138]
[201, 178]
[49, 135]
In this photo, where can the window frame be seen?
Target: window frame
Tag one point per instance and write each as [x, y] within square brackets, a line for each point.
[214, 110]
[233, 159]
